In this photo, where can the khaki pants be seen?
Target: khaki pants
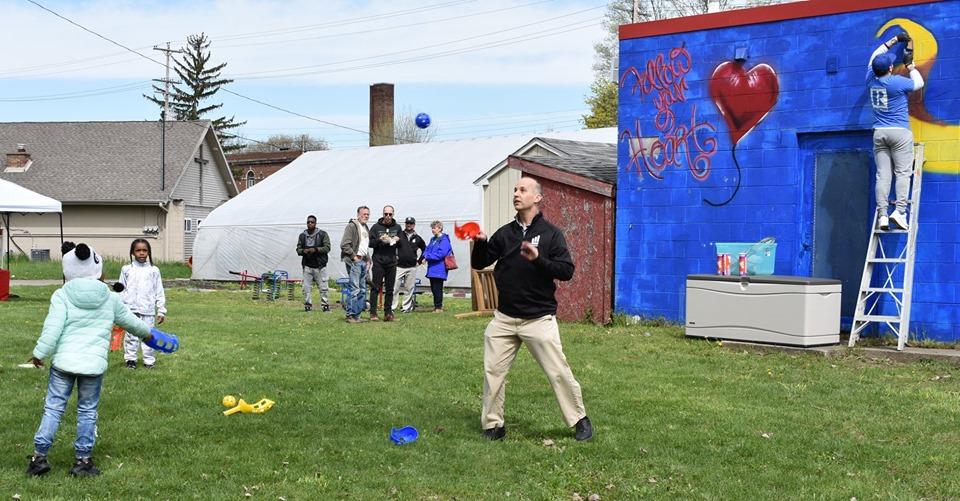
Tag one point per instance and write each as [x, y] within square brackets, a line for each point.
[502, 340]
[405, 282]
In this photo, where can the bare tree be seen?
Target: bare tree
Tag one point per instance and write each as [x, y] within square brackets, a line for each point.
[298, 142]
[620, 12]
[607, 51]
[405, 129]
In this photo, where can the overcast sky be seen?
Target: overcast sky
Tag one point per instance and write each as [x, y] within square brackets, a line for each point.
[478, 67]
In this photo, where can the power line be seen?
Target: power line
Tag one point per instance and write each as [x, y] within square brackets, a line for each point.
[263, 103]
[76, 94]
[428, 57]
[343, 22]
[223, 89]
[501, 119]
[301, 115]
[382, 29]
[226, 37]
[94, 33]
[25, 71]
[247, 76]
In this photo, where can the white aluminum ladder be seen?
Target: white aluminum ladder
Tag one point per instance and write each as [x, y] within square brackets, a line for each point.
[892, 262]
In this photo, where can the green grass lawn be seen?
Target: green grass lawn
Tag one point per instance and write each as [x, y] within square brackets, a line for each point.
[23, 268]
[674, 417]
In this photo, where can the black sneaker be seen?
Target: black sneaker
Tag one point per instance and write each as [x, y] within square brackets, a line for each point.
[307, 307]
[84, 468]
[38, 465]
[148, 366]
[584, 430]
[131, 364]
[325, 308]
[495, 433]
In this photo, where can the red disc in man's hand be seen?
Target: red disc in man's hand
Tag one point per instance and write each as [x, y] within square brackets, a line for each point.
[467, 231]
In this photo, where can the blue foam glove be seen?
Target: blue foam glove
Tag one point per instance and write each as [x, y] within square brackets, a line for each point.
[167, 343]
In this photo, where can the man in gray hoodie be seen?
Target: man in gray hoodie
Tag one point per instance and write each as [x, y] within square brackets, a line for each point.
[353, 252]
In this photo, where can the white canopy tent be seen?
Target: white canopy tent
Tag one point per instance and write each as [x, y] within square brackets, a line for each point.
[15, 199]
[257, 230]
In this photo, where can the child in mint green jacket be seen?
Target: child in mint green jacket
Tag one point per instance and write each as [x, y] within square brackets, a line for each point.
[76, 339]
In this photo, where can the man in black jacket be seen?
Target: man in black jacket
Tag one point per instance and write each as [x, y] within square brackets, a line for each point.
[314, 245]
[383, 238]
[530, 254]
[407, 261]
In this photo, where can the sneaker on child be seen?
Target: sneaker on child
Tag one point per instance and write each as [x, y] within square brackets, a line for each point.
[84, 467]
[38, 465]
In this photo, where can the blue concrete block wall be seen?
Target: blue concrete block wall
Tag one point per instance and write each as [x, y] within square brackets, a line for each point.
[665, 229]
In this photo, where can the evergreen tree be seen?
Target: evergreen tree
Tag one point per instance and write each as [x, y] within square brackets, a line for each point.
[198, 83]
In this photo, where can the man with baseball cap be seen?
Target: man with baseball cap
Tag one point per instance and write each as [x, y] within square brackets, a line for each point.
[892, 138]
[407, 261]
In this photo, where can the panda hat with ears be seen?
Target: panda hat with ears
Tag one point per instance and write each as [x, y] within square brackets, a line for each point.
[81, 261]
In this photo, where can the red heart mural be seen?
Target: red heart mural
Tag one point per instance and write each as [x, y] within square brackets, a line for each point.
[743, 97]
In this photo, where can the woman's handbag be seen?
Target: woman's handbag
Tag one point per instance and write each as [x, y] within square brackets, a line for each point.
[450, 261]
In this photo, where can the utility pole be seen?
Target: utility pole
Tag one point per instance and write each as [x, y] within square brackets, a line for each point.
[636, 11]
[165, 112]
[166, 79]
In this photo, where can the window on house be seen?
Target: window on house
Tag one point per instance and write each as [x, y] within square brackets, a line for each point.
[251, 179]
[188, 225]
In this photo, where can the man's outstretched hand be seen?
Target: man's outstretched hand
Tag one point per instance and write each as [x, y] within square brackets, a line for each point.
[528, 251]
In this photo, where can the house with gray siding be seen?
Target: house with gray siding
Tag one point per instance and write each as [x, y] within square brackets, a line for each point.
[117, 181]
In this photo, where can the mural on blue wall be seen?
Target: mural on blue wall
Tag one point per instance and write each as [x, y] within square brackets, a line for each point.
[926, 127]
[814, 133]
[679, 143]
[744, 98]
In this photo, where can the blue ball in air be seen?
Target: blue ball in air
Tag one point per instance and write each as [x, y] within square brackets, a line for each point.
[423, 120]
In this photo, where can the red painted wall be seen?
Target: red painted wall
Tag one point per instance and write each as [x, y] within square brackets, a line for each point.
[587, 221]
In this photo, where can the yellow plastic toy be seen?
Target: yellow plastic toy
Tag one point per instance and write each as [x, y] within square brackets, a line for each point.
[229, 401]
[258, 408]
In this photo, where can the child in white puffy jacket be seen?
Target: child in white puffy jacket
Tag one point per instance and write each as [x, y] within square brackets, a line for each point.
[143, 294]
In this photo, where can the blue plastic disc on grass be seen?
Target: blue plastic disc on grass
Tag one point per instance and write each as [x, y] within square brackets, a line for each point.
[405, 435]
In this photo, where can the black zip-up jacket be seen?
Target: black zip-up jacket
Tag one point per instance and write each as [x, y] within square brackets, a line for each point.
[526, 288]
[318, 240]
[407, 249]
[383, 252]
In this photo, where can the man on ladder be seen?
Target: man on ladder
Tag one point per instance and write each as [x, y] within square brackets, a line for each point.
[892, 138]
[895, 157]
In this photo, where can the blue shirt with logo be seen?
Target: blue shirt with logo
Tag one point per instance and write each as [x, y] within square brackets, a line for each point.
[888, 97]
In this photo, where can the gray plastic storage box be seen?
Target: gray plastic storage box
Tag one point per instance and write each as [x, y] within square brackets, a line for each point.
[799, 311]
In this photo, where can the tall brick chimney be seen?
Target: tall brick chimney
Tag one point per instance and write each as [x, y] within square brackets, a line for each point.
[18, 160]
[381, 114]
